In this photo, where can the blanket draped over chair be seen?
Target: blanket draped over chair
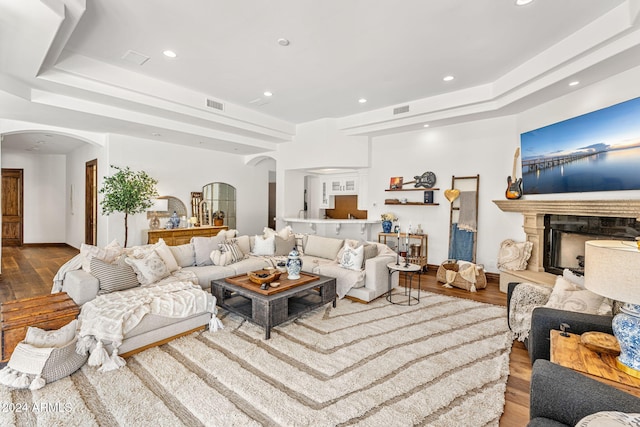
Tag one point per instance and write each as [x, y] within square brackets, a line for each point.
[109, 317]
[525, 297]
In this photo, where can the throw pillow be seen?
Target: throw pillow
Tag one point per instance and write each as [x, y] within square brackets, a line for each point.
[244, 243]
[108, 254]
[610, 419]
[113, 277]
[46, 339]
[300, 242]
[370, 251]
[219, 257]
[233, 250]
[567, 296]
[352, 258]
[284, 246]
[203, 246]
[284, 233]
[264, 247]
[167, 256]
[514, 256]
[150, 269]
[184, 254]
[573, 278]
[323, 247]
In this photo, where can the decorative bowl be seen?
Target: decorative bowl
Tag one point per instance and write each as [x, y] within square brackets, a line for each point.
[260, 277]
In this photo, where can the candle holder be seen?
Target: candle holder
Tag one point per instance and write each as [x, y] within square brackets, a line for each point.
[406, 258]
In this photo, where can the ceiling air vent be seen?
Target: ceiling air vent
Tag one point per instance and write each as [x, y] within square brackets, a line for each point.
[215, 104]
[400, 110]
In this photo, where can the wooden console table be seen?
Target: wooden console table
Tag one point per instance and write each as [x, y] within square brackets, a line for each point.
[180, 236]
[571, 353]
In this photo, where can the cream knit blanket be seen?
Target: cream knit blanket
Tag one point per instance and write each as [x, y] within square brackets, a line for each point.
[109, 317]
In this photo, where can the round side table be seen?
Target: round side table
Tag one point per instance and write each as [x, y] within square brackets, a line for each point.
[410, 270]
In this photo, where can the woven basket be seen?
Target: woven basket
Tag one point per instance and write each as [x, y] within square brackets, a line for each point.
[63, 362]
[459, 281]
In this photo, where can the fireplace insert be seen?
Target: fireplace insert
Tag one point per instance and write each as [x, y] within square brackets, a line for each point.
[565, 235]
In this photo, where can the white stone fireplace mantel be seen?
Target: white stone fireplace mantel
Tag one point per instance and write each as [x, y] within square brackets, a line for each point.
[534, 211]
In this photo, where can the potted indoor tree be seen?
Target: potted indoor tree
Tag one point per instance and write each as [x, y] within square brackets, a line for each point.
[128, 192]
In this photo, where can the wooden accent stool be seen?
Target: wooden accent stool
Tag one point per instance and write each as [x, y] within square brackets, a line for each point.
[46, 312]
[571, 353]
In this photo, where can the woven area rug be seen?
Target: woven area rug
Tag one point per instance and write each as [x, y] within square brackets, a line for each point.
[442, 362]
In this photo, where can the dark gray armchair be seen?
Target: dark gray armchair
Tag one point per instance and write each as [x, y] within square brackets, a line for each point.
[562, 397]
[544, 319]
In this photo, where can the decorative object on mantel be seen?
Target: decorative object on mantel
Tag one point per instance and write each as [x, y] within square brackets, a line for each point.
[387, 219]
[514, 186]
[452, 194]
[294, 264]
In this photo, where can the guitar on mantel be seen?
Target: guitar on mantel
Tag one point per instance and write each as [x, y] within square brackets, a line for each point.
[514, 186]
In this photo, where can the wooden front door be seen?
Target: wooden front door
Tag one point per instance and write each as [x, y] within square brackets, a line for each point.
[91, 202]
[12, 207]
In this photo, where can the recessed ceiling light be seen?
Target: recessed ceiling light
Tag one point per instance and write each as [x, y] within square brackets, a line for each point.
[425, 126]
[267, 93]
[156, 134]
[574, 83]
[283, 42]
[362, 100]
[522, 2]
[447, 78]
[169, 54]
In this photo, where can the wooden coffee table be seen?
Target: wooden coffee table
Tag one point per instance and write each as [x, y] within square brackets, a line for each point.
[275, 306]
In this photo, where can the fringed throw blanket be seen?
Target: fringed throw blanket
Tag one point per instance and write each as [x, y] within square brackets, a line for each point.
[108, 318]
[525, 297]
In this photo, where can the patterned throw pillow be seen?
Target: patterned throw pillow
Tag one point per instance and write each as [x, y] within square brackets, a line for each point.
[150, 269]
[568, 296]
[46, 339]
[108, 254]
[113, 277]
[514, 256]
[234, 251]
[352, 258]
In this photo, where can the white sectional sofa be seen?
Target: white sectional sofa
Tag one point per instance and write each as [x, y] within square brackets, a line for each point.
[195, 262]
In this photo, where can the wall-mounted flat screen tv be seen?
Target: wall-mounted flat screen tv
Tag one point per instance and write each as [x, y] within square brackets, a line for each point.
[598, 151]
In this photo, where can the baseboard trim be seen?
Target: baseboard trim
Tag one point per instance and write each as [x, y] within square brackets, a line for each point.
[44, 245]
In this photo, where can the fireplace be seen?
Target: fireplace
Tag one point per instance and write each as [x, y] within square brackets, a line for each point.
[534, 213]
[565, 236]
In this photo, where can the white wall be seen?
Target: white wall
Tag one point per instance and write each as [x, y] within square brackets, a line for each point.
[75, 193]
[483, 147]
[181, 170]
[44, 195]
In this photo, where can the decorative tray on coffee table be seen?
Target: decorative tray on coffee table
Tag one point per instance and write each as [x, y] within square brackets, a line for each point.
[243, 280]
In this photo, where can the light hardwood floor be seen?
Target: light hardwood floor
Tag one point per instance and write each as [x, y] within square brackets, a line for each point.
[29, 270]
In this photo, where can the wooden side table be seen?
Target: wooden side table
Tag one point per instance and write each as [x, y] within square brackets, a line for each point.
[51, 311]
[571, 353]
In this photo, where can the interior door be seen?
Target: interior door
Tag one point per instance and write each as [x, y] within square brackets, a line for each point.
[12, 207]
[91, 202]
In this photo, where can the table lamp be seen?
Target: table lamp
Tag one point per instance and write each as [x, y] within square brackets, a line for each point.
[612, 269]
[159, 205]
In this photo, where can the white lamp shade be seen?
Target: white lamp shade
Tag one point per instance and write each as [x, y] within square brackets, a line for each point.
[159, 205]
[612, 269]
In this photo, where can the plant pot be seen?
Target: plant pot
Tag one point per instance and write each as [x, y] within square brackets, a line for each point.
[386, 226]
[218, 222]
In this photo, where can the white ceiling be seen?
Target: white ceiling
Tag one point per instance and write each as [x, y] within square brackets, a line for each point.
[503, 58]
